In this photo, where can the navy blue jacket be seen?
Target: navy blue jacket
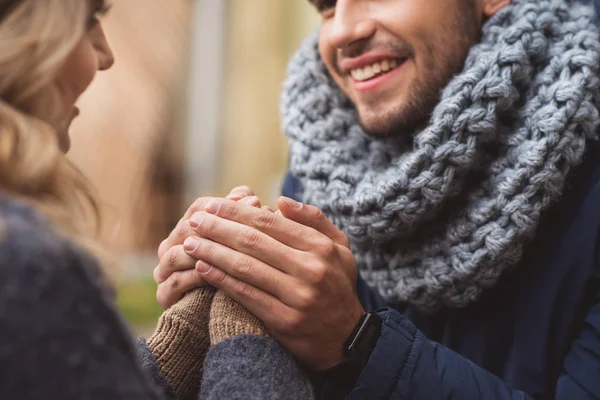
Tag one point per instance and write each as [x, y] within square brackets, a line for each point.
[535, 335]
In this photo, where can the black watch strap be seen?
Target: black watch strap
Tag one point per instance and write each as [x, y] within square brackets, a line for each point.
[341, 379]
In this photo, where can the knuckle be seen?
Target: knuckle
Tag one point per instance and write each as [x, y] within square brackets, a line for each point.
[244, 290]
[174, 282]
[267, 303]
[249, 239]
[305, 299]
[326, 248]
[183, 229]
[316, 213]
[171, 258]
[219, 279]
[264, 220]
[208, 227]
[243, 267]
[293, 321]
[231, 210]
[317, 273]
[205, 251]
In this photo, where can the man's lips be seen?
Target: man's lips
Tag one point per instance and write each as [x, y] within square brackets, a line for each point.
[372, 70]
[376, 81]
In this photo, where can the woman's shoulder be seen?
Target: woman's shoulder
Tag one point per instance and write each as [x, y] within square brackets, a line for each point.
[34, 256]
[26, 236]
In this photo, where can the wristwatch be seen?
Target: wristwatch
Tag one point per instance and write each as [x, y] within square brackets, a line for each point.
[340, 379]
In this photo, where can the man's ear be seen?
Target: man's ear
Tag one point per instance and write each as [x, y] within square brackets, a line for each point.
[491, 7]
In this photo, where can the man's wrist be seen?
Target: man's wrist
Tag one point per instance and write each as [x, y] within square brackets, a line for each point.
[357, 350]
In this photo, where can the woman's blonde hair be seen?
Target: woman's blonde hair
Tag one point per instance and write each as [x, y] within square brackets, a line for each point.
[36, 38]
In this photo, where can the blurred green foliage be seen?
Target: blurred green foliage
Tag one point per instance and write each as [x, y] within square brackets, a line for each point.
[137, 301]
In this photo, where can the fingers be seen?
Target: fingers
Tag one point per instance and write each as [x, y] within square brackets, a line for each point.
[263, 305]
[198, 205]
[172, 290]
[240, 192]
[175, 259]
[273, 225]
[247, 240]
[313, 217]
[238, 265]
[176, 237]
[251, 201]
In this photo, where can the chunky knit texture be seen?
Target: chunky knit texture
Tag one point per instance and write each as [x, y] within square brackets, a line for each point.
[229, 318]
[181, 341]
[437, 221]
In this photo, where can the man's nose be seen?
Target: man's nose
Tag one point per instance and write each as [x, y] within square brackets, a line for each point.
[351, 23]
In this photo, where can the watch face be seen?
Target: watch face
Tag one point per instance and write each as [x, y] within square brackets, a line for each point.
[365, 335]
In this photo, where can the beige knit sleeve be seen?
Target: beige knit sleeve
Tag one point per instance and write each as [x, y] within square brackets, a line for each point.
[229, 318]
[181, 341]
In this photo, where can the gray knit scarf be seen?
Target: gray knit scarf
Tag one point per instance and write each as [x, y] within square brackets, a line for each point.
[436, 221]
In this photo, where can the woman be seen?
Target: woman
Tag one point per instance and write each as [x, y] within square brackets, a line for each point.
[61, 335]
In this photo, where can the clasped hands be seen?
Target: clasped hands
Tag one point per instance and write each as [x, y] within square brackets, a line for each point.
[292, 268]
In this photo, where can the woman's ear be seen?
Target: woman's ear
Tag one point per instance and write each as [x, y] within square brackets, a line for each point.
[491, 7]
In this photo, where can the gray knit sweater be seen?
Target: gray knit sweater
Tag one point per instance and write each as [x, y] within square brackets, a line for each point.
[62, 338]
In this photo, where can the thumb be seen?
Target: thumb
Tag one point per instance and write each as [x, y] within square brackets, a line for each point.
[312, 217]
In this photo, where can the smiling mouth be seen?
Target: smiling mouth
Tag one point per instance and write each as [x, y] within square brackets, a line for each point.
[375, 70]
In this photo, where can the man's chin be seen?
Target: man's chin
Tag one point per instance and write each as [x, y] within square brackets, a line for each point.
[394, 122]
[382, 126]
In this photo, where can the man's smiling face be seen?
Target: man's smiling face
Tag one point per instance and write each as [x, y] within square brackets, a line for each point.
[392, 58]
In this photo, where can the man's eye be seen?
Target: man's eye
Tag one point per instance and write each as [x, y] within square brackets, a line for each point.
[324, 5]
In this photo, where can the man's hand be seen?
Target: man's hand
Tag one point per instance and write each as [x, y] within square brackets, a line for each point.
[293, 270]
[175, 273]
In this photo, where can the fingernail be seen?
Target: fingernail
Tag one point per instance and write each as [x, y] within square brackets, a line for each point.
[203, 267]
[213, 206]
[196, 220]
[292, 203]
[190, 244]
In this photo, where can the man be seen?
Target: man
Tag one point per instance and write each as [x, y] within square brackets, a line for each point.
[454, 144]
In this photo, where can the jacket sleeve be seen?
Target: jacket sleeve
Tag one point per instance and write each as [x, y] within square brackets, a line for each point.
[407, 365]
[252, 367]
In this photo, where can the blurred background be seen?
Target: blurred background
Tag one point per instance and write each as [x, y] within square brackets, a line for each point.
[190, 108]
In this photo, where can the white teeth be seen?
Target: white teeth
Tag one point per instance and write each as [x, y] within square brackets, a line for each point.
[368, 72]
[359, 74]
